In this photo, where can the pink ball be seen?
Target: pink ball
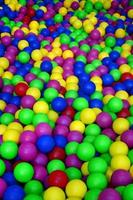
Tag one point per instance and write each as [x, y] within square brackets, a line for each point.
[19, 34]
[27, 101]
[28, 136]
[110, 133]
[95, 34]
[54, 84]
[43, 129]
[6, 40]
[27, 151]
[64, 120]
[29, 77]
[109, 194]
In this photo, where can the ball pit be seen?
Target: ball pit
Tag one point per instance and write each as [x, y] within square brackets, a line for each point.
[66, 100]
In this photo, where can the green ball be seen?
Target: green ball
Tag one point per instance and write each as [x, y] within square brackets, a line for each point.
[106, 157]
[44, 43]
[115, 104]
[107, 49]
[130, 155]
[73, 173]
[98, 5]
[97, 47]
[22, 2]
[6, 118]
[128, 192]
[2, 167]
[89, 68]
[23, 57]
[8, 150]
[97, 165]
[110, 41]
[85, 48]
[73, 44]
[96, 63]
[85, 151]
[81, 58]
[97, 95]
[26, 116]
[58, 18]
[71, 148]
[52, 124]
[33, 187]
[50, 94]
[16, 79]
[131, 110]
[92, 129]
[130, 119]
[80, 103]
[23, 172]
[39, 118]
[44, 76]
[33, 197]
[102, 143]
[7, 81]
[116, 74]
[77, 116]
[71, 94]
[64, 39]
[89, 7]
[97, 181]
[120, 189]
[35, 70]
[54, 165]
[81, 14]
[92, 194]
[37, 83]
[89, 138]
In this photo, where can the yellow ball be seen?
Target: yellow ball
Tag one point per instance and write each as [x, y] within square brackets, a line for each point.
[72, 86]
[77, 126]
[99, 87]
[22, 44]
[11, 135]
[121, 94]
[35, 92]
[41, 107]
[36, 55]
[130, 13]
[2, 105]
[63, 11]
[84, 169]
[124, 68]
[72, 79]
[67, 54]
[73, 19]
[120, 125]
[1, 71]
[125, 53]
[126, 47]
[74, 198]
[107, 4]
[25, 30]
[7, 75]
[97, 110]
[4, 63]
[120, 162]
[93, 20]
[57, 69]
[52, 115]
[130, 100]
[34, 25]
[96, 80]
[2, 129]
[107, 98]
[88, 28]
[120, 33]
[15, 125]
[54, 193]
[29, 128]
[117, 148]
[131, 171]
[103, 55]
[77, 24]
[109, 173]
[87, 116]
[67, 3]
[76, 188]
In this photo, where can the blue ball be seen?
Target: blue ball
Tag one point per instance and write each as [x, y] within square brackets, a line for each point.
[107, 79]
[119, 86]
[9, 178]
[31, 38]
[79, 65]
[129, 85]
[5, 97]
[106, 61]
[28, 49]
[129, 29]
[88, 88]
[59, 104]
[119, 41]
[110, 29]
[114, 55]
[35, 45]
[14, 192]
[46, 66]
[84, 78]
[96, 103]
[16, 100]
[45, 32]
[17, 64]
[45, 143]
[60, 141]
[39, 14]
[49, 22]
[113, 65]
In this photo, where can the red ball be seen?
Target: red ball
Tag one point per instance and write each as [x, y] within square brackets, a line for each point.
[58, 178]
[69, 111]
[62, 90]
[126, 76]
[26, 20]
[52, 28]
[31, 12]
[124, 113]
[57, 153]
[21, 88]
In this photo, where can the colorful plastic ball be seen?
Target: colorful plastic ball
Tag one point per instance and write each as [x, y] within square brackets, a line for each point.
[120, 162]
[85, 151]
[97, 165]
[120, 33]
[3, 187]
[115, 104]
[7, 118]
[102, 143]
[80, 103]
[109, 192]
[8, 150]
[55, 192]
[23, 172]
[2, 167]
[118, 147]
[50, 94]
[87, 116]
[14, 192]
[46, 66]
[92, 194]
[54, 165]
[21, 88]
[4, 63]
[73, 173]
[45, 143]
[79, 191]
[33, 187]
[23, 57]
[104, 120]
[96, 181]
[28, 136]
[32, 197]
[59, 104]
[92, 129]
[27, 151]
[89, 88]
[11, 135]
[120, 125]
[58, 178]
[110, 41]
[26, 116]
[57, 153]
[126, 137]
[128, 192]
[27, 101]
[41, 107]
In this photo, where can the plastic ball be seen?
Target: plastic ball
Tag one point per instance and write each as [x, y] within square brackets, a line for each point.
[33, 187]
[110, 41]
[96, 181]
[102, 143]
[128, 192]
[87, 116]
[45, 143]
[104, 120]
[55, 192]
[105, 194]
[79, 191]
[120, 162]
[27, 151]
[21, 88]
[118, 147]
[23, 57]
[97, 165]
[8, 150]
[2, 167]
[3, 187]
[73, 173]
[58, 178]
[50, 94]
[77, 126]
[26, 116]
[4, 63]
[59, 104]
[92, 194]
[126, 138]
[120, 177]
[120, 125]
[14, 192]
[80, 103]
[54, 165]
[32, 197]
[85, 151]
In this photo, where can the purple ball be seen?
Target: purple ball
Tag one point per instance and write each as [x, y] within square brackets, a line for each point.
[73, 161]
[54, 84]
[27, 151]
[10, 108]
[109, 194]
[95, 34]
[127, 137]
[40, 172]
[104, 120]
[6, 40]
[108, 90]
[75, 5]
[61, 130]
[1, 82]
[59, 60]
[19, 34]
[74, 136]
[121, 61]
[3, 187]
[12, 69]
[27, 101]
[41, 159]
[64, 120]
[120, 178]
[28, 136]
[125, 104]
[12, 49]
[110, 133]
[43, 129]
[8, 89]
[103, 69]
[29, 77]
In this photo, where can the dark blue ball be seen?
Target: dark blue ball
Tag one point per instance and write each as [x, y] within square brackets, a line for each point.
[17, 64]
[82, 94]
[129, 29]
[16, 100]
[15, 42]
[35, 45]
[9, 178]
[96, 103]
[45, 32]
[39, 14]
[6, 29]
[113, 65]
[46, 66]
[129, 84]
[119, 86]
[45, 143]
[49, 22]
[31, 38]
[110, 29]
[14, 192]
[5, 97]
[2, 13]
[59, 104]
[119, 41]
[60, 141]
[28, 49]
[79, 65]
[114, 55]
[61, 29]
[106, 61]
[107, 79]
[88, 88]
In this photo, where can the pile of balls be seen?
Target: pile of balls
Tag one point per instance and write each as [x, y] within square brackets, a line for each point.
[66, 99]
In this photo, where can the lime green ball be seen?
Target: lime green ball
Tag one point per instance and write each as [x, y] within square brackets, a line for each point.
[16, 79]
[54, 165]
[23, 2]
[58, 18]
[97, 95]
[71, 94]
[5, 20]
[102, 143]
[2, 167]
[88, 7]
[116, 74]
[80, 103]
[106, 157]
[44, 43]
[85, 48]
[8, 150]
[110, 41]
[92, 194]
[73, 173]
[98, 5]
[77, 116]
[6, 118]
[81, 14]
[23, 57]
[33, 187]
[73, 44]
[39, 118]
[35, 70]
[128, 192]
[7, 81]
[120, 189]
[115, 104]
[92, 129]
[71, 148]
[52, 124]
[26, 116]
[107, 49]
[33, 197]
[81, 58]
[89, 138]
[118, 48]
[85, 151]
[37, 83]
[23, 172]
[96, 63]
[89, 68]
[44, 76]
[97, 181]
[130, 119]
[50, 94]
[97, 165]
[130, 155]
[97, 47]
[64, 39]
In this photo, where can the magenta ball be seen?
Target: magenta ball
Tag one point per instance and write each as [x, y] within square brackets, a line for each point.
[40, 172]
[8, 89]
[108, 90]
[6, 40]
[10, 108]
[27, 151]
[110, 133]
[27, 101]
[75, 5]
[54, 84]
[74, 136]
[95, 34]
[73, 161]
[61, 130]
[41, 159]
[104, 120]
[120, 178]
[109, 194]
[3, 187]
[64, 120]
[43, 129]
[127, 137]
[28, 136]
[29, 77]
